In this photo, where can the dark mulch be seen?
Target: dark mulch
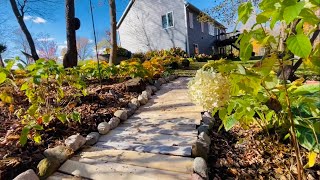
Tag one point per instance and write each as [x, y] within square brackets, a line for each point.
[250, 154]
[97, 107]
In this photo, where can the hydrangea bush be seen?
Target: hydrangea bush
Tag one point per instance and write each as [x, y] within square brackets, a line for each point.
[209, 89]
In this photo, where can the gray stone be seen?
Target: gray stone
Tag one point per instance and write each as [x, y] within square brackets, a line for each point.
[157, 84]
[60, 153]
[149, 91]
[132, 106]
[167, 79]
[196, 176]
[114, 122]
[92, 138]
[200, 167]
[121, 114]
[162, 81]
[200, 149]
[172, 77]
[130, 112]
[143, 98]
[104, 128]
[203, 128]
[75, 142]
[135, 101]
[27, 175]
[135, 85]
[154, 89]
[47, 167]
[205, 138]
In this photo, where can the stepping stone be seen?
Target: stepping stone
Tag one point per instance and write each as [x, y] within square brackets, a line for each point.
[155, 161]
[184, 151]
[162, 129]
[61, 176]
[118, 171]
[136, 138]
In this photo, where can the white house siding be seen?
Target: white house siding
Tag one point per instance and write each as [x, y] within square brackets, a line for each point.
[141, 29]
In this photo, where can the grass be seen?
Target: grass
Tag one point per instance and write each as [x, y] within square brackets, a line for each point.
[303, 71]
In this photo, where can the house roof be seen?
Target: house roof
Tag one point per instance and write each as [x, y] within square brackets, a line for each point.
[187, 4]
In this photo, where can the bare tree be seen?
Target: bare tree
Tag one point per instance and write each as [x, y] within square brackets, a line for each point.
[47, 47]
[21, 43]
[84, 47]
[70, 59]
[3, 48]
[113, 27]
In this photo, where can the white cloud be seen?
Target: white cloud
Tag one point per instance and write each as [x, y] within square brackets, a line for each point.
[65, 42]
[37, 20]
[90, 41]
[26, 18]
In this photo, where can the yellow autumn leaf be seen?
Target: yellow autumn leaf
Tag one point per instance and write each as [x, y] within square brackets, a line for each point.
[312, 160]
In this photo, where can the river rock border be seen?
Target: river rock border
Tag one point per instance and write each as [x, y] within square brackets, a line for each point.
[54, 157]
[201, 148]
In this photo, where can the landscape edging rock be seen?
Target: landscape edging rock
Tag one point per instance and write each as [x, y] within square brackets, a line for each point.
[201, 148]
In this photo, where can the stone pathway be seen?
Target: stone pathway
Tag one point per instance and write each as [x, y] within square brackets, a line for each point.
[155, 143]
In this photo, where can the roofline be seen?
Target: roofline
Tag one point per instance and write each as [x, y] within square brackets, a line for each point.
[199, 11]
[187, 4]
[125, 13]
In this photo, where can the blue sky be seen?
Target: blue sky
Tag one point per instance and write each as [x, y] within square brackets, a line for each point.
[55, 27]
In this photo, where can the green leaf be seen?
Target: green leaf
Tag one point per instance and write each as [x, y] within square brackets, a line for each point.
[24, 135]
[309, 16]
[275, 18]
[267, 4]
[3, 77]
[246, 52]
[32, 110]
[24, 86]
[307, 89]
[315, 2]
[62, 117]
[244, 12]
[241, 69]
[299, 45]
[264, 16]
[292, 12]
[229, 122]
[266, 65]
[75, 116]
[37, 80]
[38, 127]
[10, 64]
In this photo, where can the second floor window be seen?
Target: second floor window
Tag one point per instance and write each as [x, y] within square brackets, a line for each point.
[167, 20]
[211, 30]
[191, 20]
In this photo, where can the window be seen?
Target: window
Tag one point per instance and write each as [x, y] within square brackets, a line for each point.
[211, 30]
[196, 48]
[202, 26]
[191, 20]
[167, 20]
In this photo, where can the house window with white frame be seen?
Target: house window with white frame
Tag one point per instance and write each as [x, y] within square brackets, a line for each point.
[202, 27]
[167, 20]
[211, 30]
[191, 20]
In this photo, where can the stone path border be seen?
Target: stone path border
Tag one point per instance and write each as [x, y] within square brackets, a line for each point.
[157, 142]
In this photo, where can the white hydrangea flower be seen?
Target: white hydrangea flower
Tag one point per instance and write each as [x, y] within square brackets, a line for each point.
[209, 89]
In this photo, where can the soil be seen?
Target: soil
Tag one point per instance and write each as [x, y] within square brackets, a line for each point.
[251, 154]
[97, 107]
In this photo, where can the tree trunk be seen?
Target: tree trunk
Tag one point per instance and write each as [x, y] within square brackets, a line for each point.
[24, 29]
[113, 53]
[70, 59]
[1, 61]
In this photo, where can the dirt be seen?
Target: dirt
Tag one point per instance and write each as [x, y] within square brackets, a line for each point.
[251, 154]
[97, 107]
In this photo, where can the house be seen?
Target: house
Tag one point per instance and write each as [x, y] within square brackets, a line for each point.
[162, 24]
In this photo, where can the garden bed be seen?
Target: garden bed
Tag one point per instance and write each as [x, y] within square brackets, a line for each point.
[97, 107]
[250, 154]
